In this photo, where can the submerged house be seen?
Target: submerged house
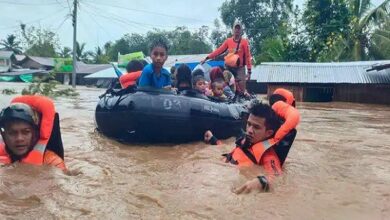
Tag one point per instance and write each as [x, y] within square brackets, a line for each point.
[323, 82]
[6, 58]
[41, 63]
[13, 67]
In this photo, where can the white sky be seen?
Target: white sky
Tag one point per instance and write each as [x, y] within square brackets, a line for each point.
[100, 21]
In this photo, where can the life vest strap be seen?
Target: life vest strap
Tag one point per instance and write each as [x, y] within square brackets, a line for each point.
[249, 155]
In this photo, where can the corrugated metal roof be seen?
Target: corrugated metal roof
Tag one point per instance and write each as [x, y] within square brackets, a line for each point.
[91, 68]
[346, 72]
[45, 61]
[105, 73]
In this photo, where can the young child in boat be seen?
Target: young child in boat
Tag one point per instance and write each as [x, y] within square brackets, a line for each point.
[154, 75]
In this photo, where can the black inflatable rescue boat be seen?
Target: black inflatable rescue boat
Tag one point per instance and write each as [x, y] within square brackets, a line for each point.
[161, 116]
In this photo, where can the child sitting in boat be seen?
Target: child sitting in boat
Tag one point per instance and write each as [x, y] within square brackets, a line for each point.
[230, 81]
[134, 70]
[154, 75]
[199, 82]
[217, 90]
[183, 78]
[216, 74]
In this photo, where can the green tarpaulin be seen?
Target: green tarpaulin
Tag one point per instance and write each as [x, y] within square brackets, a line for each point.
[26, 78]
[7, 78]
[64, 65]
[123, 60]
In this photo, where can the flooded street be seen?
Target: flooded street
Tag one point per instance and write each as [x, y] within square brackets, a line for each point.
[338, 168]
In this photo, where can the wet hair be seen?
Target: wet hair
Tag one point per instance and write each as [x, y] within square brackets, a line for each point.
[197, 78]
[197, 75]
[216, 82]
[276, 97]
[216, 73]
[197, 72]
[265, 111]
[160, 42]
[183, 75]
[134, 65]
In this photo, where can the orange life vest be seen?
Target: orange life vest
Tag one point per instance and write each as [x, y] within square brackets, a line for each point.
[291, 118]
[286, 94]
[129, 79]
[248, 156]
[46, 107]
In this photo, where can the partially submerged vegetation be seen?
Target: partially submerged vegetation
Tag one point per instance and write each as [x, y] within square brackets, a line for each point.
[8, 91]
[47, 86]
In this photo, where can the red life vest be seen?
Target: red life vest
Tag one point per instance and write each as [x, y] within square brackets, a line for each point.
[46, 107]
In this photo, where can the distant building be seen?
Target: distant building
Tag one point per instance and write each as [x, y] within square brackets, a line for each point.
[82, 70]
[41, 63]
[6, 59]
[319, 82]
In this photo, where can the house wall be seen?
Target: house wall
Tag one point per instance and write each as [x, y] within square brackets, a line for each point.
[360, 93]
[254, 87]
[65, 78]
[363, 93]
[5, 64]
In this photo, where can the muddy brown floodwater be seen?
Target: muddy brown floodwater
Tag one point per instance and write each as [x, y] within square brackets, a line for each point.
[338, 168]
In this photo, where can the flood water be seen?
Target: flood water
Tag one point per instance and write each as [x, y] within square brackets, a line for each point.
[338, 168]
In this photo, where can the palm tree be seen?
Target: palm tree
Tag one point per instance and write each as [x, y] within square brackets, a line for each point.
[380, 43]
[12, 45]
[364, 20]
[65, 52]
[82, 55]
[99, 56]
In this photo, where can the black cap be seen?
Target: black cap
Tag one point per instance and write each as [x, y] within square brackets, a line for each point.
[19, 111]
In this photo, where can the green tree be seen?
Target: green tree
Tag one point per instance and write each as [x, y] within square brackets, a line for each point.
[179, 41]
[293, 47]
[82, 54]
[355, 44]
[11, 44]
[326, 22]
[185, 42]
[272, 50]
[219, 34]
[126, 44]
[65, 52]
[380, 43]
[99, 57]
[364, 17]
[39, 42]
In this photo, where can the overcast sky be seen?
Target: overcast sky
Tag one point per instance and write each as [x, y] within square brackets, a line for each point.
[100, 21]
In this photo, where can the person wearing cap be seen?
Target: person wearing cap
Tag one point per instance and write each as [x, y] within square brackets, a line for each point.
[26, 127]
[238, 56]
